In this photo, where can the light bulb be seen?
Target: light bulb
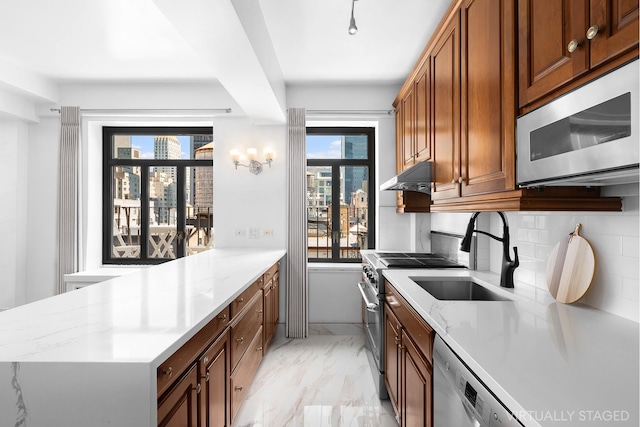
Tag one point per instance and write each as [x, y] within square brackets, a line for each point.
[235, 155]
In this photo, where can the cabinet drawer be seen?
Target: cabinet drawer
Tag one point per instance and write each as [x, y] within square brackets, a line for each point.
[245, 329]
[178, 362]
[243, 300]
[243, 375]
[420, 332]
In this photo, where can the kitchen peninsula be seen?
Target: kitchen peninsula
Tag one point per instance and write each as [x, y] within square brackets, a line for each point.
[90, 357]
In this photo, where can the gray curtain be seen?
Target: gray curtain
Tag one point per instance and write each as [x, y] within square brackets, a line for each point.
[297, 319]
[69, 218]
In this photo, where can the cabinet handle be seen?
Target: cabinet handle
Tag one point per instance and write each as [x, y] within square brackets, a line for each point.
[168, 372]
[222, 317]
[259, 349]
[198, 389]
[572, 46]
[206, 359]
[397, 339]
[240, 340]
[259, 311]
[460, 180]
[238, 388]
[453, 182]
[240, 300]
[592, 31]
[207, 379]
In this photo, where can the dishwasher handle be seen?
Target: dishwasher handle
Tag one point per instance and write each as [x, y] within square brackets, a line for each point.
[371, 306]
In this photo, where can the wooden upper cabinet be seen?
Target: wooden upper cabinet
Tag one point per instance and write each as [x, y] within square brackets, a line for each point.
[445, 69]
[546, 27]
[558, 44]
[408, 129]
[617, 32]
[488, 108]
[422, 127]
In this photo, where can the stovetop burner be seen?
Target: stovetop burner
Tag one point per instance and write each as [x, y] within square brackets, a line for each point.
[415, 260]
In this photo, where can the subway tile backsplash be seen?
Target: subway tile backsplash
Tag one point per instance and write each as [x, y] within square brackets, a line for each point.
[614, 237]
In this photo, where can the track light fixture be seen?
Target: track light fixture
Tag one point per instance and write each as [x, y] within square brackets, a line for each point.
[352, 23]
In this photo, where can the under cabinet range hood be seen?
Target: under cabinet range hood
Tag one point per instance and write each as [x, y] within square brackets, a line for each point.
[416, 178]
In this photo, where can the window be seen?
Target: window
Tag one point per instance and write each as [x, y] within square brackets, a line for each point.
[157, 193]
[340, 193]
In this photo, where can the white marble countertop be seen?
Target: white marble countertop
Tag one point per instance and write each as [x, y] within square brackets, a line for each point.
[140, 317]
[549, 363]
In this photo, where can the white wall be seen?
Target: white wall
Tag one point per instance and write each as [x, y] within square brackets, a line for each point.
[13, 213]
[242, 200]
[42, 196]
[613, 236]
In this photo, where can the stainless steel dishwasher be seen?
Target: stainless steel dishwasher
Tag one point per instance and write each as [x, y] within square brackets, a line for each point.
[459, 398]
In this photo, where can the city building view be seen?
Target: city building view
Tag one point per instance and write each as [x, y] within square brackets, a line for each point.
[343, 229]
[163, 232]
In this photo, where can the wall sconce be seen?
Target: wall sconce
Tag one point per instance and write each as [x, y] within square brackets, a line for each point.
[255, 167]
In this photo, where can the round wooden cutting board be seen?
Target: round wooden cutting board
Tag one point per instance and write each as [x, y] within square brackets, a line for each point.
[570, 268]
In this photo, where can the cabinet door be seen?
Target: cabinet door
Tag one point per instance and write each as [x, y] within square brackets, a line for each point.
[408, 129]
[391, 359]
[269, 308]
[416, 388]
[445, 69]
[546, 27]
[214, 371]
[617, 22]
[488, 98]
[276, 301]
[423, 113]
[178, 407]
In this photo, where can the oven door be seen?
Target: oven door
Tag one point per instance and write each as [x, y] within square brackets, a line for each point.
[373, 318]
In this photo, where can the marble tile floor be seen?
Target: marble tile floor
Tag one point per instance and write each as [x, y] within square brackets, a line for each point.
[322, 380]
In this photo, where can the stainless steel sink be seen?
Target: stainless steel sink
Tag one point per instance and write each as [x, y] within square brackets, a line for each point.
[458, 290]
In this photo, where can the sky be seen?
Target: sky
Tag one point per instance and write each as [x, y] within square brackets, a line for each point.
[324, 147]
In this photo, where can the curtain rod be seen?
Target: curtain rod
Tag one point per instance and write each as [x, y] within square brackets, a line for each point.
[152, 110]
[350, 112]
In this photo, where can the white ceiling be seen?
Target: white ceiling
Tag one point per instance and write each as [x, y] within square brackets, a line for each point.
[286, 41]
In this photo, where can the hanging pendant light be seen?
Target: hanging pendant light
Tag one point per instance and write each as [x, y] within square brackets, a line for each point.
[352, 23]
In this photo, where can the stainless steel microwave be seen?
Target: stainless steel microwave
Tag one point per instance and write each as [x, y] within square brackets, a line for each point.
[586, 137]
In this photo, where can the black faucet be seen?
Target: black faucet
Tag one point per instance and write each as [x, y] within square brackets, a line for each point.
[508, 266]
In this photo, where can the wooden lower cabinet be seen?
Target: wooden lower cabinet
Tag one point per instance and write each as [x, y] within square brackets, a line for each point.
[204, 382]
[178, 407]
[271, 298]
[243, 374]
[214, 377]
[417, 375]
[391, 356]
[408, 363]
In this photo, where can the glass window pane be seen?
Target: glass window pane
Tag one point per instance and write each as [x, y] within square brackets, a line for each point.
[159, 146]
[337, 146]
[354, 222]
[318, 217]
[199, 213]
[163, 212]
[125, 241]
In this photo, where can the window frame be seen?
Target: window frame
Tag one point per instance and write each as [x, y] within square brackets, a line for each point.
[335, 165]
[107, 188]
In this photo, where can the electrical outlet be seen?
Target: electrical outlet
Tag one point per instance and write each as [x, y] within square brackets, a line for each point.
[267, 232]
[254, 233]
[240, 233]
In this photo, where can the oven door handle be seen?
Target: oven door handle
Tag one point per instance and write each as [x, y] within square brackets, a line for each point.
[371, 306]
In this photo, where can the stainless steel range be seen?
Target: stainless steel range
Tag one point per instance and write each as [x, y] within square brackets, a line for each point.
[445, 254]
